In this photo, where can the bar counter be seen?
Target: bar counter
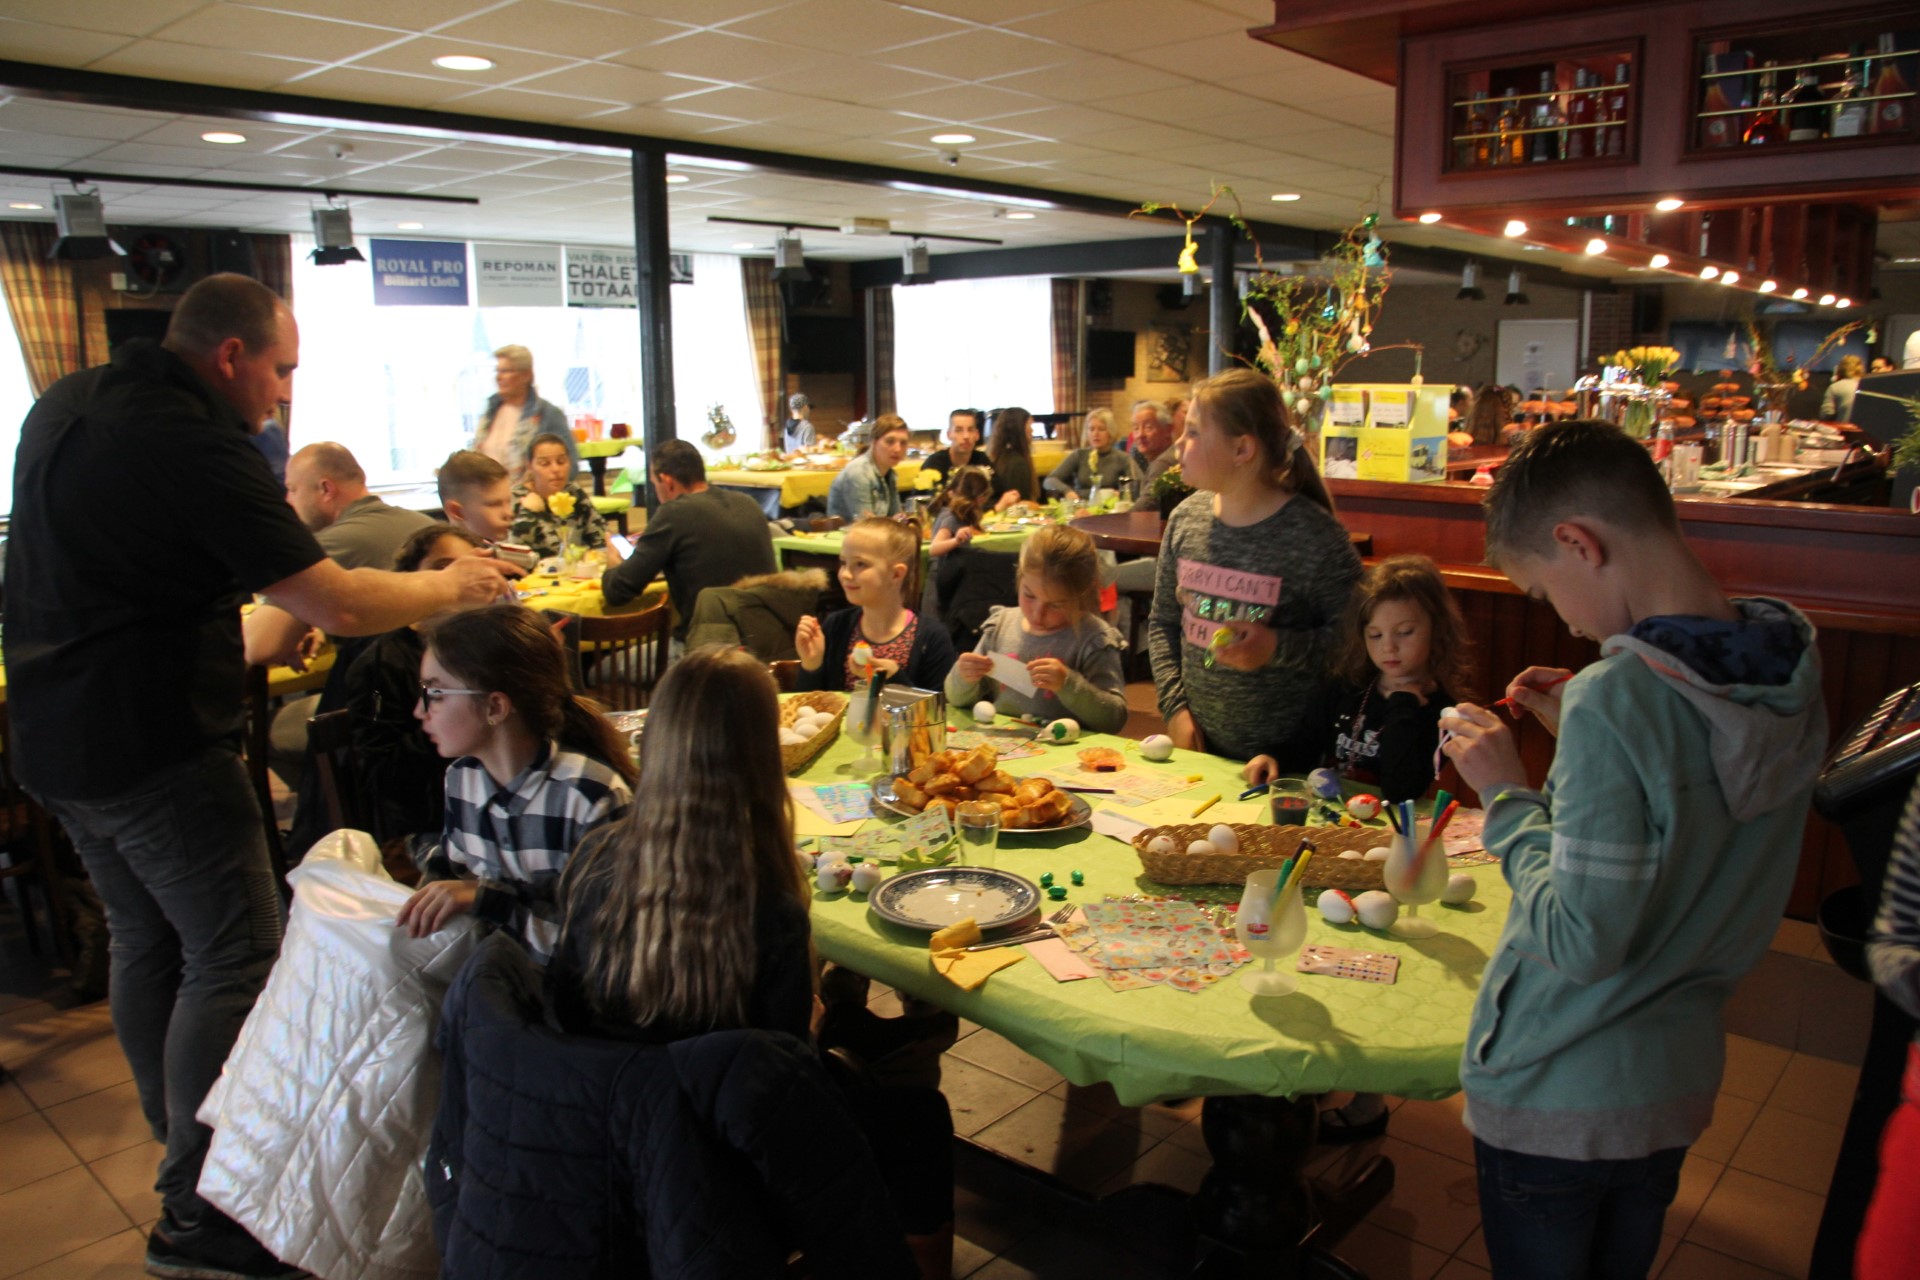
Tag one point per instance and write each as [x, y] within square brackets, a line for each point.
[1855, 571]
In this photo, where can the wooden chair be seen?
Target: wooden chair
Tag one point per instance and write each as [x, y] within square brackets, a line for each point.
[330, 739]
[26, 841]
[826, 524]
[786, 674]
[624, 656]
[259, 739]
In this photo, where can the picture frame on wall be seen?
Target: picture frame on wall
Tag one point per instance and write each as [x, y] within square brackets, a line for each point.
[1169, 350]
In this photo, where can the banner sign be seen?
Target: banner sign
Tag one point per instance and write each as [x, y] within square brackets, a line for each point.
[602, 277]
[519, 275]
[419, 273]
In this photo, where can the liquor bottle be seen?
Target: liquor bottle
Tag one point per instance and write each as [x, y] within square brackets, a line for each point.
[1766, 128]
[1478, 151]
[1579, 115]
[1806, 108]
[1547, 121]
[1615, 142]
[1890, 114]
[1512, 148]
[1849, 114]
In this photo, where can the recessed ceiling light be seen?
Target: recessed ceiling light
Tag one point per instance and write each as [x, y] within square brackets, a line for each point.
[224, 137]
[410, 226]
[1285, 196]
[1799, 293]
[1768, 286]
[463, 62]
[25, 204]
[744, 244]
[1844, 302]
[1515, 227]
[1596, 246]
[1668, 205]
[1708, 273]
[1658, 261]
[1533, 248]
[951, 139]
[1018, 216]
[676, 178]
[1729, 277]
[1429, 218]
[1826, 299]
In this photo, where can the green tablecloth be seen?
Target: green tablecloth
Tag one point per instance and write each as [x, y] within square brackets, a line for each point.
[1156, 1043]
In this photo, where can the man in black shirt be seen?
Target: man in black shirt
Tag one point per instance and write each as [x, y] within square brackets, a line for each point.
[126, 683]
[699, 537]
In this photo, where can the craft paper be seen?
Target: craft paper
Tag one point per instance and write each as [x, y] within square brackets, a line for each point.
[1059, 961]
[1012, 674]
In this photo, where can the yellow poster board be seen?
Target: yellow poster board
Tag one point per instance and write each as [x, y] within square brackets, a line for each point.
[1385, 431]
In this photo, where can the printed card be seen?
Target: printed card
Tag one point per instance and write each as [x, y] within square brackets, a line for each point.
[1346, 962]
[1012, 674]
[843, 801]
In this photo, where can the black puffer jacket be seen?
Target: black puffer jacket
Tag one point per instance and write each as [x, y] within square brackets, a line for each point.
[556, 1156]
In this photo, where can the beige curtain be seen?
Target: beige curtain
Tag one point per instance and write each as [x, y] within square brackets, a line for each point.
[1066, 335]
[42, 299]
[273, 263]
[763, 327]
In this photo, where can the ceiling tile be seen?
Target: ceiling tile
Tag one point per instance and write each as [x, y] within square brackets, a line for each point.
[743, 102]
[1218, 58]
[1195, 102]
[978, 54]
[364, 150]
[966, 103]
[118, 17]
[170, 61]
[1271, 123]
[186, 133]
[1116, 26]
[552, 26]
[523, 104]
[859, 27]
[414, 15]
[716, 55]
[1058, 122]
[241, 29]
[997, 12]
[1215, 155]
[629, 86]
[363, 84]
[55, 46]
[47, 149]
[75, 121]
[416, 57]
[1082, 79]
[1141, 137]
[1300, 81]
[837, 78]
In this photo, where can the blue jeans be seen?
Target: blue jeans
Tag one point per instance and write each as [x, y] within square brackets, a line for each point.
[1574, 1219]
[194, 921]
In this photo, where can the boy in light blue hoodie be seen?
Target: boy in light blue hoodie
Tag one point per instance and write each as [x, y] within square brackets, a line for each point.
[1648, 875]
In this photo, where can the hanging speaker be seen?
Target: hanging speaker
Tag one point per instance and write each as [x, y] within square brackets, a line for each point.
[915, 261]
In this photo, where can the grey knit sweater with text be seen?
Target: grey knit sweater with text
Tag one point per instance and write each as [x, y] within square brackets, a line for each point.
[1292, 571]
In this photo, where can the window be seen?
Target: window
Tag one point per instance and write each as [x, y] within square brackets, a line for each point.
[713, 356]
[16, 398]
[985, 344]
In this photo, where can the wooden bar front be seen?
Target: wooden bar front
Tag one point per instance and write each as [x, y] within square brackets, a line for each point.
[1855, 571]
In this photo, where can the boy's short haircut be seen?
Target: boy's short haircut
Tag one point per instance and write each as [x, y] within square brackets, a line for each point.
[1568, 470]
[464, 472]
[680, 462]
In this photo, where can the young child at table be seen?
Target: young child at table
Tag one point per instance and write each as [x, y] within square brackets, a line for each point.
[1069, 652]
[535, 522]
[535, 768]
[1254, 576]
[477, 497]
[1402, 660]
[1890, 1238]
[690, 915]
[959, 510]
[1647, 875]
[878, 558]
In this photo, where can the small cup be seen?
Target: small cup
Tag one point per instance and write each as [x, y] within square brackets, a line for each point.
[978, 822]
[1291, 800]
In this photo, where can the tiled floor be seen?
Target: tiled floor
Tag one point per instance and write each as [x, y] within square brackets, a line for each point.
[76, 1162]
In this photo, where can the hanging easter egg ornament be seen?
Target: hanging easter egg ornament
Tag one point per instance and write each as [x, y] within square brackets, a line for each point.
[1062, 731]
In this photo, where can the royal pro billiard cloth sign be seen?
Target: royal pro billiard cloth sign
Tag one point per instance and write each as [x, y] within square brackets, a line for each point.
[419, 273]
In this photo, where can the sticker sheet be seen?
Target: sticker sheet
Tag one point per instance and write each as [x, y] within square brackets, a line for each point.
[843, 801]
[1346, 962]
[1149, 942]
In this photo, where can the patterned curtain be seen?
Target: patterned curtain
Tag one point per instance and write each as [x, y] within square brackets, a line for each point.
[273, 263]
[42, 300]
[880, 314]
[763, 328]
[1066, 335]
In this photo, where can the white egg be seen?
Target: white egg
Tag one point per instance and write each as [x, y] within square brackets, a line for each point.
[1201, 849]
[1376, 909]
[866, 878]
[1335, 907]
[832, 855]
[1223, 838]
[1352, 855]
[1157, 747]
[1379, 853]
[1459, 890]
[983, 711]
[1062, 731]
[792, 737]
[833, 877]
[1161, 844]
[1364, 807]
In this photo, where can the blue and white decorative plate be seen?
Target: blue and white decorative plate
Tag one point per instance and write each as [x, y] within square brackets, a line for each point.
[942, 896]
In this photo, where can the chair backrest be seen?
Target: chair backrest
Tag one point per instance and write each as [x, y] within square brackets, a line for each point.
[623, 657]
[330, 740]
[259, 740]
[786, 674]
[826, 524]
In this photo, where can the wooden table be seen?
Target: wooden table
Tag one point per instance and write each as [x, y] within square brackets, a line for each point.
[1139, 532]
[596, 452]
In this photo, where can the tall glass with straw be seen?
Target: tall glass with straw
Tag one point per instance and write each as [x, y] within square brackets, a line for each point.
[1272, 924]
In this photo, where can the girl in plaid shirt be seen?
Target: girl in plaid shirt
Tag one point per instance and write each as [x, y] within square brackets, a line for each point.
[535, 768]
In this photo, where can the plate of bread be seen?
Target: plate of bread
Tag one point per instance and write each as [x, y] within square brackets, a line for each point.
[950, 778]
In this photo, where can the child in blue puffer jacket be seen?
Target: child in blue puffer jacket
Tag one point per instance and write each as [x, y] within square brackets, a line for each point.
[1648, 874]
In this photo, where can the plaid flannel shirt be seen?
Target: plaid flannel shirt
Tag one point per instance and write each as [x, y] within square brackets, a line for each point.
[515, 840]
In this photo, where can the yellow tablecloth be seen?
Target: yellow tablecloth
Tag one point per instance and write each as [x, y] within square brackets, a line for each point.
[1334, 1033]
[581, 595]
[801, 483]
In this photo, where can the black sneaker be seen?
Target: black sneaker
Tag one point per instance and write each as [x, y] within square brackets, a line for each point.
[198, 1254]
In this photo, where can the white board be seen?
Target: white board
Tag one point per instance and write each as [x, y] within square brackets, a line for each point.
[1536, 355]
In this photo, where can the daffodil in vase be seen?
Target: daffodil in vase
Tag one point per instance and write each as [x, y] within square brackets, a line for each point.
[561, 505]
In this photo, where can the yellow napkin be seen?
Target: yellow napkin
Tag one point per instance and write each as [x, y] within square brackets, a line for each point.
[967, 969]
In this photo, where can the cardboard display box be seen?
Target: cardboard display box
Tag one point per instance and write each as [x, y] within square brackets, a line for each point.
[1385, 431]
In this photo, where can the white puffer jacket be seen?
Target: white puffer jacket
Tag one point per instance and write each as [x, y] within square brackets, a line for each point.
[321, 1118]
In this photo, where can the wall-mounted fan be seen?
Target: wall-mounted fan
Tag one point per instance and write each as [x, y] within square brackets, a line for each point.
[158, 261]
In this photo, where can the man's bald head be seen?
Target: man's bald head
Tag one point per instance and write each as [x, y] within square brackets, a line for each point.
[323, 480]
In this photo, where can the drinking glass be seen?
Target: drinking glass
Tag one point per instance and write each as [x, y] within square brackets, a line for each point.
[863, 727]
[1414, 880]
[1270, 931]
[1291, 800]
[979, 825]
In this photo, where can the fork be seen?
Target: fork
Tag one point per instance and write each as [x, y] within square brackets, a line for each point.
[1041, 934]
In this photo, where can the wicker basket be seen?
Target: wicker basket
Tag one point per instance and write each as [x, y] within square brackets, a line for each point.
[799, 755]
[1263, 848]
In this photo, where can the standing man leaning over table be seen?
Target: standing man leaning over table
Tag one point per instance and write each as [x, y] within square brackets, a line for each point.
[126, 682]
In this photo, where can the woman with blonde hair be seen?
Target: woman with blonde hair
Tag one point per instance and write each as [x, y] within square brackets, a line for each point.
[1837, 404]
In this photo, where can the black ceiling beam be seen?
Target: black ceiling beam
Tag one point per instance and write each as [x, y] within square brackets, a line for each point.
[205, 184]
[1090, 258]
[835, 230]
